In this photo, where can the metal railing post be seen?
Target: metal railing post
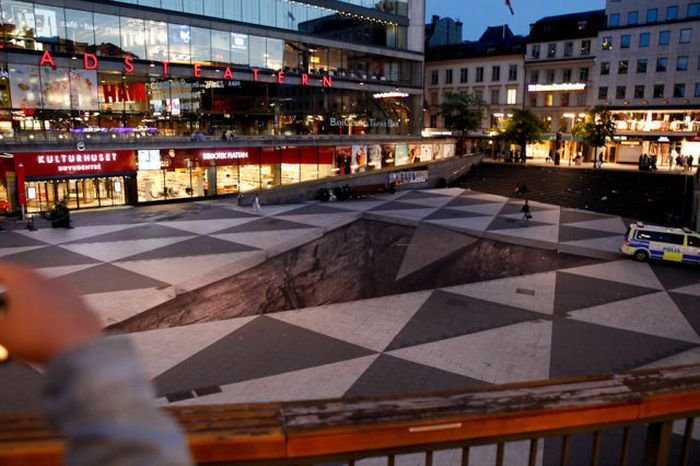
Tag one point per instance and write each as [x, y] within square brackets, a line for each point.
[658, 443]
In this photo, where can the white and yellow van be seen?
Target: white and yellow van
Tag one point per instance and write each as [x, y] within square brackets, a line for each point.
[656, 242]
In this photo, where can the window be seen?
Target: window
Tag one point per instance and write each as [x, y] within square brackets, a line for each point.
[464, 75]
[605, 67]
[652, 15]
[682, 64]
[551, 50]
[564, 99]
[433, 121]
[550, 76]
[585, 47]
[693, 10]
[672, 13]
[614, 20]
[632, 18]
[693, 241]
[534, 76]
[620, 92]
[495, 95]
[607, 43]
[583, 75]
[639, 92]
[434, 98]
[644, 39]
[603, 92]
[512, 97]
[622, 67]
[448, 76]
[658, 91]
[642, 65]
[568, 49]
[566, 76]
[549, 100]
[495, 73]
[661, 64]
[434, 77]
[661, 237]
[512, 72]
[625, 41]
[697, 89]
[479, 95]
[685, 36]
[664, 37]
[679, 90]
[535, 51]
[479, 74]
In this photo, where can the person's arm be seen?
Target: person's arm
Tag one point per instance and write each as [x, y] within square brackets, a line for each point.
[96, 394]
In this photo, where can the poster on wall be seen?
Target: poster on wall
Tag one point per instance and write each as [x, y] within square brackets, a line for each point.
[426, 152]
[83, 90]
[448, 151]
[437, 152]
[25, 86]
[388, 155]
[359, 158]
[55, 88]
[343, 159]
[413, 153]
[401, 155]
[374, 157]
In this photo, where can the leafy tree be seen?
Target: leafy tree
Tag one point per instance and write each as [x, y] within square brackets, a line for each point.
[523, 128]
[462, 111]
[597, 126]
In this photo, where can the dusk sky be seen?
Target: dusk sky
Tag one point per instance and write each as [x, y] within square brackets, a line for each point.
[477, 15]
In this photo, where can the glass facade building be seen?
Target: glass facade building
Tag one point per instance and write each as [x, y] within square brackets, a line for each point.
[106, 72]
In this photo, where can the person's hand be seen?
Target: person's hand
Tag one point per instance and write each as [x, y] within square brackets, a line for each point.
[42, 317]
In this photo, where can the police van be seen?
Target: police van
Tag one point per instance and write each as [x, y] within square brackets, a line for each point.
[655, 242]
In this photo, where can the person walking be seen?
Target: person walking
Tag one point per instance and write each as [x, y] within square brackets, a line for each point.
[256, 204]
[526, 212]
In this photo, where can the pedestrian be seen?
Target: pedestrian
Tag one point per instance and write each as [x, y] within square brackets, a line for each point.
[526, 212]
[600, 160]
[256, 204]
[652, 163]
[689, 162]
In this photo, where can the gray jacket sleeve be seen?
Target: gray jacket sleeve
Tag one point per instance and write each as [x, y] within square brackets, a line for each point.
[98, 398]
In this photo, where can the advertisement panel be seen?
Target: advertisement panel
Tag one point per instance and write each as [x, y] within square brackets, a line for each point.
[388, 155]
[359, 158]
[401, 155]
[25, 86]
[343, 160]
[413, 153]
[374, 156]
[42, 164]
[426, 152]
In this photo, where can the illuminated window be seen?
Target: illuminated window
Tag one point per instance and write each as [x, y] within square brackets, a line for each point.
[549, 100]
[512, 96]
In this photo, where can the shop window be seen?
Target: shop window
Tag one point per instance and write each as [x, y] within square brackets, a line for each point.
[682, 64]
[639, 92]
[549, 100]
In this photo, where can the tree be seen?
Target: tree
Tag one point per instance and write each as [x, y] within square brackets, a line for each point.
[462, 111]
[597, 126]
[523, 128]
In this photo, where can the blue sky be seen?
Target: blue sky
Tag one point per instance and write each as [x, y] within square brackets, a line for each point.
[477, 15]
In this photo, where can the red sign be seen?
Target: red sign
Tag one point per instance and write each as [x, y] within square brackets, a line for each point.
[89, 162]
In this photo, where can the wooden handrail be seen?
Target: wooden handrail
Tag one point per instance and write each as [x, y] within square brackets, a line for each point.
[295, 430]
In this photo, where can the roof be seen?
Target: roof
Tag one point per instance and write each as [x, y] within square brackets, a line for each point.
[569, 26]
[495, 41]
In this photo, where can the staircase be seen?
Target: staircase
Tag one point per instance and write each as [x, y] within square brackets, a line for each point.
[659, 198]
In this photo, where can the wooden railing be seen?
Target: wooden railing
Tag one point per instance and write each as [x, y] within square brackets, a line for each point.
[350, 429]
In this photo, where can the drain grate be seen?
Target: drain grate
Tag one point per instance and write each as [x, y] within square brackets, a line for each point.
[525, 291]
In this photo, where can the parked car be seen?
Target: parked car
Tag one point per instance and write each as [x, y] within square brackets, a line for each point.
[657, 242]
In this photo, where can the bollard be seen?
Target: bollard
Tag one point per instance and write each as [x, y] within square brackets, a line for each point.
[31, 224]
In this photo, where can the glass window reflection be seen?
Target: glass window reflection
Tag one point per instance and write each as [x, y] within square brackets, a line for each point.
[258, 54]
[239, 48]
[50, 25]
[220, 47]
[179, 38]
[201, 45]
[233, 9]
[156, 40]
[80, 31]
[107, 41]
[133, 36]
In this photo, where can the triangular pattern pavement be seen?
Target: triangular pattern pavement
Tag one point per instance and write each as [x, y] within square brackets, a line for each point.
[429, 245]
[514, 353]
[260, 348]
[577, 292]
[653, 314]
[265, 224]
[689, 305]
[580, 348]
[391, 375]
[446, 315]
[623, 271]
[115, 250]
[571, 233]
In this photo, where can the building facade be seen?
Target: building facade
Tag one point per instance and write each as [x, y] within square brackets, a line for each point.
[648, 74]
[491, 68]
[560, 74]
[97, 81]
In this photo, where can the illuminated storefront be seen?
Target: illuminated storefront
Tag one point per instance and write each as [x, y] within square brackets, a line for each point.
[84, 179]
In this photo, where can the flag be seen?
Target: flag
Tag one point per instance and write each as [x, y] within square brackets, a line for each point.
[510, 7]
